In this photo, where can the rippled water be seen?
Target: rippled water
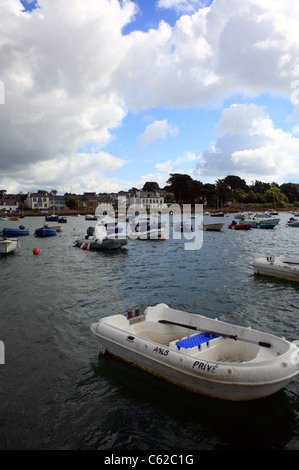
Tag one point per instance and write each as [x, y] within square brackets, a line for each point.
[57, 393]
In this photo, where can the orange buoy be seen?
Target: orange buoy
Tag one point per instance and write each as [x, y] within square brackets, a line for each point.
[35, 251]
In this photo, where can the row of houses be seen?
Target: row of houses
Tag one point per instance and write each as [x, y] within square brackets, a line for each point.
[88, 202]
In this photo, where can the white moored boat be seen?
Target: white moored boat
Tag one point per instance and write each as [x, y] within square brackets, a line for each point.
[203, 355]
[8, 245]
[211, 227]
[280, 267]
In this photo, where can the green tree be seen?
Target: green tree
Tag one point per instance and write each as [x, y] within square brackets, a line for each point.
[274, 196]
[291, 190]
[223, 192]
[181, 186]
[235, 182]
[209, 191]
[151, 186]
[71, 202]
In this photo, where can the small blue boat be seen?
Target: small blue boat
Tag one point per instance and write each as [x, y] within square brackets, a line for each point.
[45, 232]
[15, 232]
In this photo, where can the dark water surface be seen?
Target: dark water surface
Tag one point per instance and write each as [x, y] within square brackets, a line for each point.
[58, 393]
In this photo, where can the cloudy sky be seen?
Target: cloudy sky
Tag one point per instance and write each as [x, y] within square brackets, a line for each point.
[103, 95]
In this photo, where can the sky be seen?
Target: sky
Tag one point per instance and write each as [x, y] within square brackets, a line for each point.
[105, 95]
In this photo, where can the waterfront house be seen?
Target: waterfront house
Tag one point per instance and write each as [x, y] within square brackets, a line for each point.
[146, 200]
[9, 205]
[39, 201]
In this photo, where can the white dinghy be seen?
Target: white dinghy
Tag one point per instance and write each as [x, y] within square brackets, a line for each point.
[206, 356]
[9, 245]
[280, 267]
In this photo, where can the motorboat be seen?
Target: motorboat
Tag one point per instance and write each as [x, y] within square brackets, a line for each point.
[217, 214]
[256, 222]
[242, 215]
[56, 227]
[280, 267]
[45, 231]
[97, 238]
[203, 355]
[15, 232]
[292, 222]
[265, 218]
[90, 217]
[211, 227]
[9, 245]
[242, 226]
[51, 218]
[267, 225]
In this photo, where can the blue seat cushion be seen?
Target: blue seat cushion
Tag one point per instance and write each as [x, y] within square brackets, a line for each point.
[195, 340]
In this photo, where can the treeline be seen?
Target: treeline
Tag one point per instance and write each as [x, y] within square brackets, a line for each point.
[231, 189]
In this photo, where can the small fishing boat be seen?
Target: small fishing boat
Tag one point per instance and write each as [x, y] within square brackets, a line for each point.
[206, 356]
[90, 217]
[235, 226]
[15, 232]
[292, 222]
[45, 231]
[97, 238]
[217, 214]
[213, 227]
[280, 267]
[14, 217]
[56, 227]
[8, 245]
[52, 218]
[62, 220]
[264, 225]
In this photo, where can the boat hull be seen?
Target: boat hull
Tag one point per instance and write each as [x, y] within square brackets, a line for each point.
[212, 227]
[45, 232]
[106, 244]
[234, 381]
[11, 232]
[240, 226]
[8, 246]
[276, 268]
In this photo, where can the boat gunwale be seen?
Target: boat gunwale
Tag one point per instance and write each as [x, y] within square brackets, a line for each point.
[244, 364]
[192, 373]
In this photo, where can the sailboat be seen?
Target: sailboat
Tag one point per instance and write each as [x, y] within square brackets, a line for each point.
[53, 217]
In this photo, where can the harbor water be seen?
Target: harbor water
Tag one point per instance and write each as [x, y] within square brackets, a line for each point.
[57, 392]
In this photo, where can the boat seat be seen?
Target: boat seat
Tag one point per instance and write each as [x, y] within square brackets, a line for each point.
[195, 340]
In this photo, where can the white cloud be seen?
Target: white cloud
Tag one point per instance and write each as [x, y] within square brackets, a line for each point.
[250, 145]
[178, 165]
[56, 65]
[158, 130]
[71, 76]
[184, 6]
